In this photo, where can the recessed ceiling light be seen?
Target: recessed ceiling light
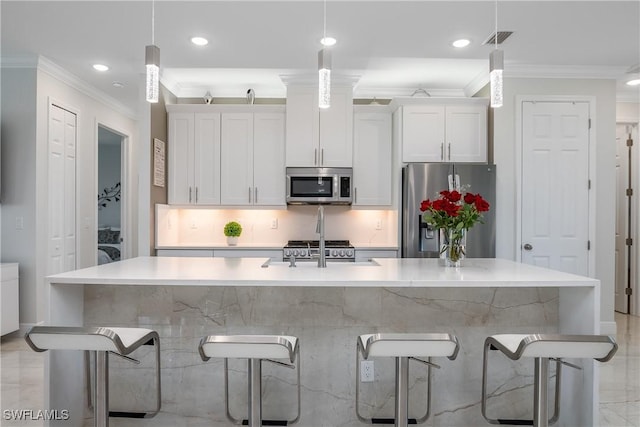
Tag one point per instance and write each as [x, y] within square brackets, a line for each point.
[118, 84]
[634, 82]
[328, 41]
[199, 41]
[461, 43]
[100, 67]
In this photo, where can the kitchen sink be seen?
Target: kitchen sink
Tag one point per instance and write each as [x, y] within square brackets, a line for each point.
[314, 264]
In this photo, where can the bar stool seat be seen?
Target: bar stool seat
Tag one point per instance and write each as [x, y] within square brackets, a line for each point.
[544, 347]
[255, 348]
[404, 347]
[101, 340]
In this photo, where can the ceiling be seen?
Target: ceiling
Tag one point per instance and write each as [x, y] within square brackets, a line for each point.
[386, 47]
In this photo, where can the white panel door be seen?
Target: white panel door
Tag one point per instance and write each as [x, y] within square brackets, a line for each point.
[236, 166]
[207, 159]
[372, 159]
[62, 191]
[181, 158]
[69, 191]
[268, 159]
[466, 133]
[336, 130]
[423, 136]
[555, 185]
[622, 218]
[302, 126]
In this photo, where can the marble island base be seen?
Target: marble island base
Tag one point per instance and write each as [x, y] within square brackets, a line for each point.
[327, 321]
[327, 312]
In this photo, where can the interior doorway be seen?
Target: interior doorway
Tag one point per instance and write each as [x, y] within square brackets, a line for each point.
[626, 221]
[110, 196]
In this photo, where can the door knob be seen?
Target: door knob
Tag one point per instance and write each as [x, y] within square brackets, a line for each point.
[527, 247]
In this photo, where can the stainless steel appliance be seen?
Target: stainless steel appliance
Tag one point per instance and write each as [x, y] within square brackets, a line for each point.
[307, 250]
[312, 186]
[422, 181]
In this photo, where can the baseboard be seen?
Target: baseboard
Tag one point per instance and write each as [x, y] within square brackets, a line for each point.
[608, 328]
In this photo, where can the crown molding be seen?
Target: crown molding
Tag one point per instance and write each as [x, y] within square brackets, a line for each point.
[476, 84]
[54, 70]
[563, 71]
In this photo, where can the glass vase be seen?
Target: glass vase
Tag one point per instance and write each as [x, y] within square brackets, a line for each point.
[452, 246]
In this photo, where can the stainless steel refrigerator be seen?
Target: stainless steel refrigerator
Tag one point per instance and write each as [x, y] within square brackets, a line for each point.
[422, 181]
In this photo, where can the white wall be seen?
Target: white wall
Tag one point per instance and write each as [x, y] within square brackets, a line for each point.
[628, 112]
[604, 92]
[26, 93]
[19, 178]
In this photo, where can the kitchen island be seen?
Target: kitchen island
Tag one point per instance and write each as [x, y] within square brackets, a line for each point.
[187, 298]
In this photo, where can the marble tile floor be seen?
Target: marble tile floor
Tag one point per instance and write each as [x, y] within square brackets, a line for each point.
[21, 372]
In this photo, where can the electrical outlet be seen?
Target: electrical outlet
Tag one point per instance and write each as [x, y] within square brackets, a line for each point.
[378, 224]
[194, 225]
[19, 223]
[274, 223]
[366, 371]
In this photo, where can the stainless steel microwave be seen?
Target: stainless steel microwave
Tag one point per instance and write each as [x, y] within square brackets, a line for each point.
[314, 186]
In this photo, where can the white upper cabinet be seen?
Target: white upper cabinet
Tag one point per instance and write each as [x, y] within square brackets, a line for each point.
[372, 157]
[252, 166]
[315, 137]
[194, 158]
[442, 132]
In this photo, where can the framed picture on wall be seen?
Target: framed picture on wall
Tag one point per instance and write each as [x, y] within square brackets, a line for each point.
[158, 162]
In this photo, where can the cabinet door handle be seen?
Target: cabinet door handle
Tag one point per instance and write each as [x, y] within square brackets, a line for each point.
[315, 156]
[189, 194]
[196, 194]
[255, 194]
[249, 194]
[322, 157]
[442, 151]
[449, 151]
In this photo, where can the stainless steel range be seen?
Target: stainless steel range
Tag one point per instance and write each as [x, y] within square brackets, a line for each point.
[307, 250]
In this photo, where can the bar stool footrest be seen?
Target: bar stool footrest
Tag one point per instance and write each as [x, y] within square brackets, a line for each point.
[509, 422]
[269, 422]
[391, 421]
[126, 414]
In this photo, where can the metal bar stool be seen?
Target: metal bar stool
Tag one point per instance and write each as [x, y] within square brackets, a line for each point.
[404, 347]
[543, 348]
[102, 341]
[255, 348]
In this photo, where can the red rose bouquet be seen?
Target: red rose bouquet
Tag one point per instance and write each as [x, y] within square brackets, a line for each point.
[453, 214]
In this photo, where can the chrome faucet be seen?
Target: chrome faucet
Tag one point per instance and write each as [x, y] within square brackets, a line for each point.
[322, 259]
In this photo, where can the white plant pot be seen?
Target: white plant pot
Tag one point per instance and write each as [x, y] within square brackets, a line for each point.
[232, 240]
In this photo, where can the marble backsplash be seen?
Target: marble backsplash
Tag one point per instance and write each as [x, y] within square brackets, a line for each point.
[327, 321]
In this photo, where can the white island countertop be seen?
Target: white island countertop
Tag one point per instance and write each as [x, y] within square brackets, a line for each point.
[384, 272]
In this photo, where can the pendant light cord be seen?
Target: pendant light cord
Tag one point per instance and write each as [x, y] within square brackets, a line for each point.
[324, 30]
[153, 22]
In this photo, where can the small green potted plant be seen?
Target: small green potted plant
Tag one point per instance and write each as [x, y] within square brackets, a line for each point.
[232, 230]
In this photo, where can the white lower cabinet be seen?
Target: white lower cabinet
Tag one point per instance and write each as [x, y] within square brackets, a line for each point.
[252, 171]
[185, 252]
[372, 159]
[275, 254]
[366, 254]
[9, 298]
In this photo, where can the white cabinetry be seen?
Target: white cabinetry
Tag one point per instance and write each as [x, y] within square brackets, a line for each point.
[9, 299]
[252, 159]
[194, 158]
[440, 131]
[315, 137]
[371, 157]
[367, 254]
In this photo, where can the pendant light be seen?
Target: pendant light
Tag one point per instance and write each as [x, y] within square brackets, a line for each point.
[324, 69]
[152, 61]
[496, 66]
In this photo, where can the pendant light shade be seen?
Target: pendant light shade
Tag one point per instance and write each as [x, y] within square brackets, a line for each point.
[496, 66]
[152, 60]
[324, 78]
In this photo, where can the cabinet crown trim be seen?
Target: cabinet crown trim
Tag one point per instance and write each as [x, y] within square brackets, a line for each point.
[407, 100]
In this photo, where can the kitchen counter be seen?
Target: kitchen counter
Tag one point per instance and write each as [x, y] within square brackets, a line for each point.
[187, 298]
